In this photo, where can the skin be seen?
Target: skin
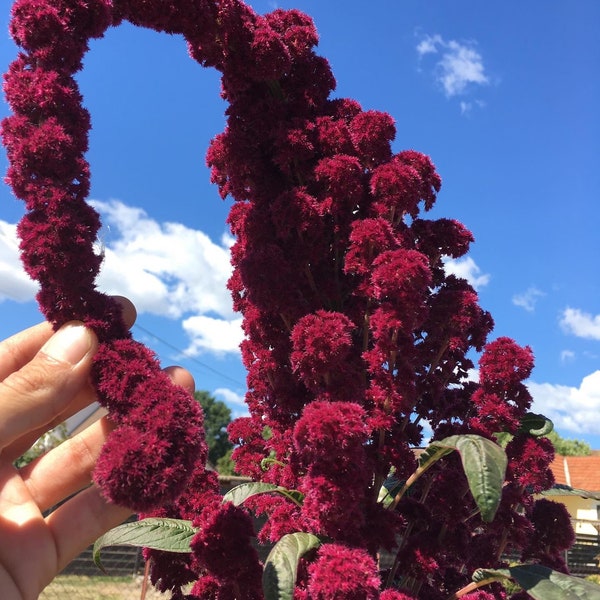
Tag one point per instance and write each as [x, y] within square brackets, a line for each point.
[44, 379]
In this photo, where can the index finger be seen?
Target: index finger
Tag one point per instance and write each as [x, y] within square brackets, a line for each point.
[17, 350]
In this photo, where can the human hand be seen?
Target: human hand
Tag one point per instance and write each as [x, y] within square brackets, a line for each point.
[44, 379]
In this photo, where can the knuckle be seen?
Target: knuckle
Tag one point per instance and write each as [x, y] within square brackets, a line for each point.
[81, 455]
[37, 377]
[39, 382]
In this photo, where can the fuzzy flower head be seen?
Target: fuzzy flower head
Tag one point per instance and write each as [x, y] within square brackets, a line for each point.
[321, 344]
[342, 573]
[328, 431]
[505, 364]
[552, 525]
[371, 132]
[400, 184]
[529, 462]
[222, 544]
[502, 399]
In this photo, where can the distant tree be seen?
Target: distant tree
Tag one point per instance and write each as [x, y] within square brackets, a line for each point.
[225, 464]
[562, 446]
[569, 447]
[217, 417]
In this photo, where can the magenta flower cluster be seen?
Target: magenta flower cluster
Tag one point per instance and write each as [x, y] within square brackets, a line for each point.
[355, 333]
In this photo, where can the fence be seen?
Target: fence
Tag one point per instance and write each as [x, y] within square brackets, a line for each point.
[584, 555]
[125, 576]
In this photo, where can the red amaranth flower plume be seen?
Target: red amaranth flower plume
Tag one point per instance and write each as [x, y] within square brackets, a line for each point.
[354, 331]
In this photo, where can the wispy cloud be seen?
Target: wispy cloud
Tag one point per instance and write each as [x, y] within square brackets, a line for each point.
[528, 299]
[580, 324]
[567, 356]
[467, 269]
[573, 409]
[171, 270]
[458, 66]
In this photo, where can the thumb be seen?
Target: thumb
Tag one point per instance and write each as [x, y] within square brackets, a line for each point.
[38, 392]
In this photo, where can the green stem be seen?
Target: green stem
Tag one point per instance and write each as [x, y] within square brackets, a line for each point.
[472, 587]
[392, 574]
[420, 471]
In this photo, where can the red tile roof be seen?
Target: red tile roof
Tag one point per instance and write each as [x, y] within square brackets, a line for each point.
[581, 472]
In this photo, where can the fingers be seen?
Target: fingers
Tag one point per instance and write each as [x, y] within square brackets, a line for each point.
[182, 377]
[83, 398]
[18, 350]
[80, 521]
[129, 312]
[41, 389]
[67, 468]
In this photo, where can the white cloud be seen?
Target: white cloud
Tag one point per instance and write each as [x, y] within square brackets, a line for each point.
[580, 324]
[528, 298]
[233, 400]
[467, 269]
[459, 65]
[573, 409]
[15, 284]
[171, 270]
[216, 335]
[164, 268]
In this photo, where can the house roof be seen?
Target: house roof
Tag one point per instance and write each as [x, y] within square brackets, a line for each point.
[580, 472]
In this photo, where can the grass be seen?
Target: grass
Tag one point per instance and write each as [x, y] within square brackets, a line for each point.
[81, 587]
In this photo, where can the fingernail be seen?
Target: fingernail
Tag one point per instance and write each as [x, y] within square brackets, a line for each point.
[69, 344]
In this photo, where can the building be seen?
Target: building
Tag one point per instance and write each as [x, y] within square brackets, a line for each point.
[578, 488]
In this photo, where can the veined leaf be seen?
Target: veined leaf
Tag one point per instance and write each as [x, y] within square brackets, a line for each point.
[536, 425]
[240, 493]
[542, 583]
[484, 463]
[281, 566]
[171, 535]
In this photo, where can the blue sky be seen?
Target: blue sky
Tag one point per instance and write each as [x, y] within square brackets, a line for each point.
[504, 97]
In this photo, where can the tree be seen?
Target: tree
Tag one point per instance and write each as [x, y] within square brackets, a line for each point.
[569, 447]
[225, 464]
[217, 417]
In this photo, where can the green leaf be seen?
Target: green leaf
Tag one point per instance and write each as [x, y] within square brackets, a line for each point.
[281, 566]
[390, 488]
[240, 493]
[542, 583]
[266, 462]
[484, 463]
[536, 425]
[171, 535]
